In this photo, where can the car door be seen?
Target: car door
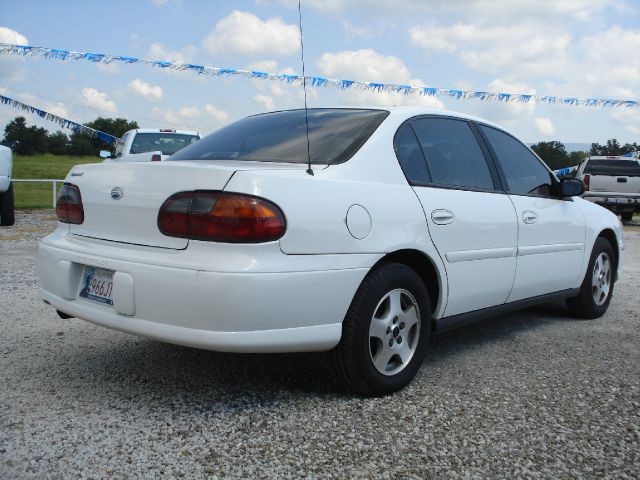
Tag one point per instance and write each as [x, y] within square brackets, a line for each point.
[471, 221]
[551, 230]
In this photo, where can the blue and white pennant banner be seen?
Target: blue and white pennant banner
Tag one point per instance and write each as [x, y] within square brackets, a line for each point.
[62, 122]
[316, 81]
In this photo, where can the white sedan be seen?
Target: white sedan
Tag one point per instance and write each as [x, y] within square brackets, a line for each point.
[409, 222]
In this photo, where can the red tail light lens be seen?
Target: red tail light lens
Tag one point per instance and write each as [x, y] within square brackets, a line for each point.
[586, 182]
[69, 205]
[221, 217]
[156, 158]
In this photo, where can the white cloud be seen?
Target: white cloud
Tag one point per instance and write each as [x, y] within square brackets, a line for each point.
[10, 67]
[189, 112]
[528, 48]
[266, 101]
[96, 99]
[219, 116]
[365, 65]
[369, 65]
[8, 35]
[581, 10]
[108, 68]
[243, 33]
[544, 126]
[158, 51]
[142, 88]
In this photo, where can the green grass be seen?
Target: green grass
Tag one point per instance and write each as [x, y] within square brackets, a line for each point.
[40, 195]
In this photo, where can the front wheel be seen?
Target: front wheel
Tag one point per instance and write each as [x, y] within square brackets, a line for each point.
[7, 214]
[626, 216]
[597, 287]
[385, 332]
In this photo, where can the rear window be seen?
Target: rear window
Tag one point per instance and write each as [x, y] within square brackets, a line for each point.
[613, 167]
[335, 135]
[167, 143]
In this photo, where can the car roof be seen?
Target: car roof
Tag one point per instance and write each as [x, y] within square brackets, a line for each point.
[160, 130]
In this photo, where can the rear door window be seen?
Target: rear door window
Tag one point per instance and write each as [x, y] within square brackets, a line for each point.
[524, 172]
[613, 167]
[410, 156]
[454, 156]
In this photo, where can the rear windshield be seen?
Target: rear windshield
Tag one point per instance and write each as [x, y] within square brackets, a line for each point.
[613, 167]
[334, 136]
[167, 143]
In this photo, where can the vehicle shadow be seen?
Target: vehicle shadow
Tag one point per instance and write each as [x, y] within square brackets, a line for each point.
[139, 368]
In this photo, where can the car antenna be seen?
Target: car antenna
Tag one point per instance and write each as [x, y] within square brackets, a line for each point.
[304, 86]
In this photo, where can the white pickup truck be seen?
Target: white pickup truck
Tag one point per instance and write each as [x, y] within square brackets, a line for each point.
[149, 144]
[7, 215]
[613, 182]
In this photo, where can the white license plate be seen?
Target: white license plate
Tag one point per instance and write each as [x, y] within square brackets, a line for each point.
[97, 285]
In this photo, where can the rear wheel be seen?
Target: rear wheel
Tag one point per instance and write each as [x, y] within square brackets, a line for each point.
[626, 216]
[385, 332]
[7, 214]
[597, 287]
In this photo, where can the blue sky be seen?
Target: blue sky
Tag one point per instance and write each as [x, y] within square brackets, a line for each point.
[582, 48]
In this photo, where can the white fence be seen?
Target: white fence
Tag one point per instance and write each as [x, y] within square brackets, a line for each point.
[55, 182]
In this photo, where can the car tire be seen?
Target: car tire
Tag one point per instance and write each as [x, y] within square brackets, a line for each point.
[7, 213]
[626, 216]
[385, 333]
[597, 287]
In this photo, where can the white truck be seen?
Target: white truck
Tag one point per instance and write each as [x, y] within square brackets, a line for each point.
[7, 215]
[149, 144]
[612, 182]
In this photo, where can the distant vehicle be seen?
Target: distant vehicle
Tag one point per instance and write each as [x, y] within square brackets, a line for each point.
[612, 182]
[149, 145]
[414, 221]
[7, 215]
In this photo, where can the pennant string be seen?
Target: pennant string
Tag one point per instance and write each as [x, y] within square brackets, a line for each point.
[61, 122]
[316, 81]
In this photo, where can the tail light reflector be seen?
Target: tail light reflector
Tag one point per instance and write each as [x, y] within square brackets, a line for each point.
[156, 158]
[586, 179]
[221, 217]
[69, 205]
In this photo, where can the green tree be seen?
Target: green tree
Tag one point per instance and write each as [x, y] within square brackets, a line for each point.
[83, 144]
[58, 143]
[552, 153]
[25, 140]
[613, 147]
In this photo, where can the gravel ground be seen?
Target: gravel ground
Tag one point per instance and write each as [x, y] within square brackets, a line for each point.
[535, 394]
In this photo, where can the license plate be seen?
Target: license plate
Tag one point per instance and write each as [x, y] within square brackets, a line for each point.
[97, 285]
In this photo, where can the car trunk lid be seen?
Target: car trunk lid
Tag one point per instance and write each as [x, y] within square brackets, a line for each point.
[121, 201]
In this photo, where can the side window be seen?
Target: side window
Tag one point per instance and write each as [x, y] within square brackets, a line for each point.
[524, 173]
[454, 156]
[410, 156]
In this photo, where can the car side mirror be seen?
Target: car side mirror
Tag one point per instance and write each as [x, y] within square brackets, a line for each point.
[571, 187]
[105, 153]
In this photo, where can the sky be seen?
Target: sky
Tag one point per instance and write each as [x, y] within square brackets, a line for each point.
[573, 48]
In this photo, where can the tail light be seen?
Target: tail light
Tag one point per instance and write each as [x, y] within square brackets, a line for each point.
[69, 205]
[221, 217]
[586, 179]
[156, 158]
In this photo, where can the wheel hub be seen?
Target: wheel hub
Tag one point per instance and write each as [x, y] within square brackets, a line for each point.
[394, 332]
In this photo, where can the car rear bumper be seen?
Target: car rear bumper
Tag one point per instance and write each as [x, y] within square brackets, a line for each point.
[615, 203]
[297, 310]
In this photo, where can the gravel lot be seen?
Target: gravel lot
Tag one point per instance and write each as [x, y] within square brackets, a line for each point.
[535, 394]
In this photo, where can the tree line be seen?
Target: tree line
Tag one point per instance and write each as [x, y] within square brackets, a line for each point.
[32, 140]
[556, 156]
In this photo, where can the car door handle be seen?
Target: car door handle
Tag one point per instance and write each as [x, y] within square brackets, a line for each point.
[529, 217]
[442, 217]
